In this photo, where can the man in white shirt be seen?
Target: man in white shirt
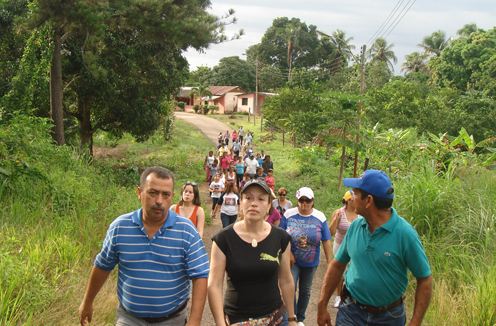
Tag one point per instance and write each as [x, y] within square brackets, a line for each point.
[251, 165]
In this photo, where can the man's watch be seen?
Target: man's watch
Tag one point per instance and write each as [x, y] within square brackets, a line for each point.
[292, 318]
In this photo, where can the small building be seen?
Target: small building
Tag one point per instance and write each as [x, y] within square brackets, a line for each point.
[246, 102]
[225, 97]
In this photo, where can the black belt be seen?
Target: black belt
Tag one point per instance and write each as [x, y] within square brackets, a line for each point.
[373, 309]
[155, 320]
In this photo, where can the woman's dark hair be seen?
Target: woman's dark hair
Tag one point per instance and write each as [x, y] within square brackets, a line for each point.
[229, 187]
[379, 202]
[196, 193]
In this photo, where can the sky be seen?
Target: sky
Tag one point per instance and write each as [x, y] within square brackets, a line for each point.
[360, 19]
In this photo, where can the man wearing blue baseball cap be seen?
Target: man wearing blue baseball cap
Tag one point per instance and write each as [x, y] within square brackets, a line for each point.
[381, 247]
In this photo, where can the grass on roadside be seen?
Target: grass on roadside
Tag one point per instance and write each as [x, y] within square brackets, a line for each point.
[53, 226]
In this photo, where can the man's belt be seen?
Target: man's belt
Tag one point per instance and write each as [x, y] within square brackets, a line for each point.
[373, 309]
[155, 320]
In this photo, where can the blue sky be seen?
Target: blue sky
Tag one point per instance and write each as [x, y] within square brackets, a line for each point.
[360, 19]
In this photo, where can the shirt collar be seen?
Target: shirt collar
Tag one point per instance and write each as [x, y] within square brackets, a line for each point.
[389, 225]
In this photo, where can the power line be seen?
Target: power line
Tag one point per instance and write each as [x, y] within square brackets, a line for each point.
[401, 18]
[391, 27]
[388, 18]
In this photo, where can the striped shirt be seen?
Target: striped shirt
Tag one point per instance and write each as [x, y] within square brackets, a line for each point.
[343, 226]
[154, 275]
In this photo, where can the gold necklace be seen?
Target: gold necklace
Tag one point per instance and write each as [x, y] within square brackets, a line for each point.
[254, 242]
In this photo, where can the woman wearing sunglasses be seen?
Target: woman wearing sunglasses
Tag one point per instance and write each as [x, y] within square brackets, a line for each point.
[255, 256]
[282, 204]
[307, 228]
[189, 205]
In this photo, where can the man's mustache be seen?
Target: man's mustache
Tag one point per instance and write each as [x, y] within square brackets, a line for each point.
[158, 207]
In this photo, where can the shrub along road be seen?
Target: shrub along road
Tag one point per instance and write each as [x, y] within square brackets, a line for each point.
[210, 128]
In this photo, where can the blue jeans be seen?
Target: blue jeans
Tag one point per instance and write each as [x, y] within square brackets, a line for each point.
[350, 313]
[305, 277]
[227, 219]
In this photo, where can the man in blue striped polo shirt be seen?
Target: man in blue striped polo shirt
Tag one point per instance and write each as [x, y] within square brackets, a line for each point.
[158, 253]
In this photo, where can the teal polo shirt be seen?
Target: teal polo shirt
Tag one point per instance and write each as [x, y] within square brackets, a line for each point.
[379, 262]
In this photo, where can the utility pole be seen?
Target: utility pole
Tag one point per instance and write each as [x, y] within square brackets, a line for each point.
[256, 87]
[362, 84]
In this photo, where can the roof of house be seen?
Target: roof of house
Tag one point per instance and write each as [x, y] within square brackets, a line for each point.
[216, 90]
[222, 90]
[260, 94]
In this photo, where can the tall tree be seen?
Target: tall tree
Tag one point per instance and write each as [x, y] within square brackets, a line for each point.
[201, 75]
[234, 71]
[381, 51]
[275, 48]
[467, 29]
[342, 50]
[435, 43]
[141, 38]
[291, 34]
[415, 62]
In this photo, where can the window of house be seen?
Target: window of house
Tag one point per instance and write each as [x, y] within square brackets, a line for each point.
[244, 101]
[216, 102]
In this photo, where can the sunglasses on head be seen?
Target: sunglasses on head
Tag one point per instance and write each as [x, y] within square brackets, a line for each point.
[190, 183]
[305, 200]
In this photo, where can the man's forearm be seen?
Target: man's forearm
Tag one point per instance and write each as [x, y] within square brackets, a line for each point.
[332, 277]
[198, 300]
[98, 277]
[423, 296]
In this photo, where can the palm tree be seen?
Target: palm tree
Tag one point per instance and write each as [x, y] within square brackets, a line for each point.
[467, 29]
[435, 43]
[415, 62]
[342, 47]
[291, 35]
[200, 91]
[380, 51]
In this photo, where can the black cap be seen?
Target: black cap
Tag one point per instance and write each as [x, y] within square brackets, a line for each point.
[256, 182]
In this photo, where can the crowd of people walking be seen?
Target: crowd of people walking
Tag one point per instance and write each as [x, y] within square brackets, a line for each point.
[267, 250]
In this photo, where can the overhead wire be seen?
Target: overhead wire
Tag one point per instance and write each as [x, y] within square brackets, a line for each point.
[401, 17]
[384, 23]
[394, 21]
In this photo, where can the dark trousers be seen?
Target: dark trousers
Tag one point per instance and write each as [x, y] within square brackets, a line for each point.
[227, 219]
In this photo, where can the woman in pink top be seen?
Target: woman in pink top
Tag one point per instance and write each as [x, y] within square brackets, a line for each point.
[340, 222]
[224, 161]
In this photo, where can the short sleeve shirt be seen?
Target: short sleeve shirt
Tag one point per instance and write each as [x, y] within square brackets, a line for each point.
[229, 203]
[216, 186]
[252, 272]
[251, 166]
[379, 262]
[314, 227]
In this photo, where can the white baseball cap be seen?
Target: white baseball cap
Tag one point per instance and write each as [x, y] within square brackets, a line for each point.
[305, 192]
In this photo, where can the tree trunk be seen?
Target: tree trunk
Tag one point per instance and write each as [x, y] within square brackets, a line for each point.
[337, 63]
[86, 128]
[56, 109]
[341, 168]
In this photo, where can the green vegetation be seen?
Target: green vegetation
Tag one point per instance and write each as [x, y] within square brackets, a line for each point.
[443, 189]
[57, 204]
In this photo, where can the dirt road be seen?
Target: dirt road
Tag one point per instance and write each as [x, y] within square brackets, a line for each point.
[211, 128]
